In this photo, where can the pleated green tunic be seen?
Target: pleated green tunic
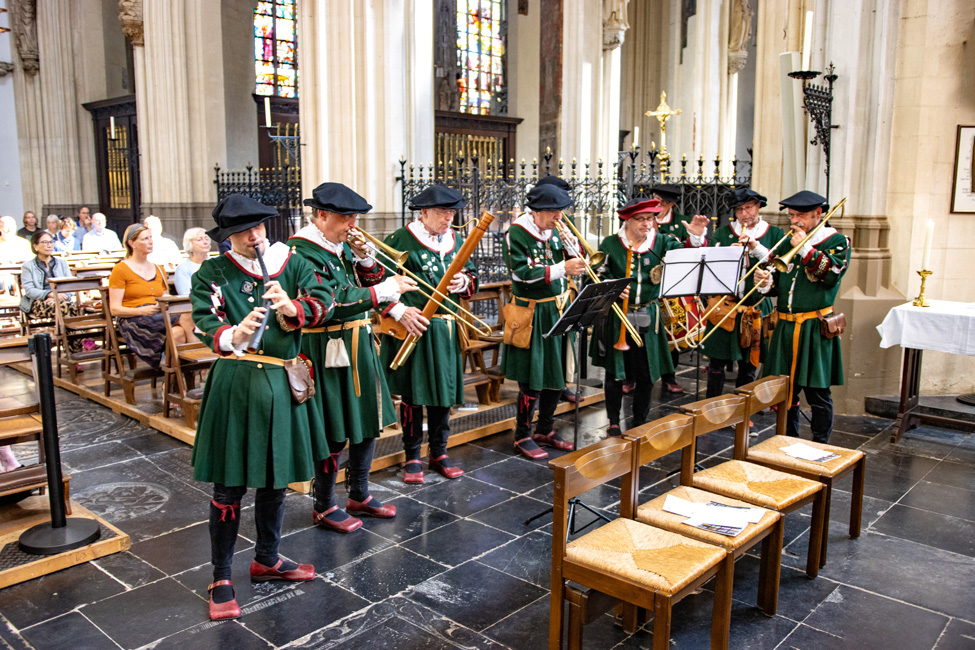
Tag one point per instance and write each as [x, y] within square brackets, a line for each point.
[726, 345]
[347, 416]
[674, 225]
[250, 431]
[644, 296]
[811, 284]
[433, 374]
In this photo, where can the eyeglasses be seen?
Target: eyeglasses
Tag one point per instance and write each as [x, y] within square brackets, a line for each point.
[642, 219]
[45, 241]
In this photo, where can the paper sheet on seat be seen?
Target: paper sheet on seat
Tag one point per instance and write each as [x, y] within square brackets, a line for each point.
[716, 517]
[803, 451]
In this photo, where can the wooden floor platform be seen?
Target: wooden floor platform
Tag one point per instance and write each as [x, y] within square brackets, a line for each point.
[17, 566]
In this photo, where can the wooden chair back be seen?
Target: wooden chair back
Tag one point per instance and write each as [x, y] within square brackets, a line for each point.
[760, 395]
[69, 328]
[716, 413]
[182, 361]
[657, 439]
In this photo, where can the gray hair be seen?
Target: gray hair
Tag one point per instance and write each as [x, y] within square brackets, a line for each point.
[188, 238]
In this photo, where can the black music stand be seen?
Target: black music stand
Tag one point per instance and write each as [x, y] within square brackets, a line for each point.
[590, 307]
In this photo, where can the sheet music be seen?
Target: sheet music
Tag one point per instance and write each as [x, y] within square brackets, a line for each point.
[719, 275]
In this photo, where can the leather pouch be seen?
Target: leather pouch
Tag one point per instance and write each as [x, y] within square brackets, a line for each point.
[518, 325]
[715, 315]
[299, 379]
[640, 320]
[832, 325]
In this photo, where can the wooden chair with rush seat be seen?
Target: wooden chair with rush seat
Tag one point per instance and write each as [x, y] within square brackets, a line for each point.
[118, 356]
[752, 483]
[70, 331]
[773, 391]
[625, 561]
[181, 364]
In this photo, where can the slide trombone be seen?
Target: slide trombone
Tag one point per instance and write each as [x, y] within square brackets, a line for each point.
[597, 258]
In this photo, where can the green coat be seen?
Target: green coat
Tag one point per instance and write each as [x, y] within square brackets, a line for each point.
[250, 429]
[644, 296]
[675, 226]
[811, 284]
[433, 375]
[347, 416]
[725, 345]
[531, 260]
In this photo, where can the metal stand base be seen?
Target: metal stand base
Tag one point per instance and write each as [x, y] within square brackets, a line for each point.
[45, 539]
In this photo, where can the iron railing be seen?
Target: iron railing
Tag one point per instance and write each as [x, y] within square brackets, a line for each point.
[276, 187]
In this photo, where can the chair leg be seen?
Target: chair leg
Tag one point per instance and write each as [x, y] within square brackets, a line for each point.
[128, 387]
[661, 621]
[555, 623]
[577, 621]
[856, 506]
[721, 616]
[816, 534]
[769, 572]
[828, 488]
[483, 394]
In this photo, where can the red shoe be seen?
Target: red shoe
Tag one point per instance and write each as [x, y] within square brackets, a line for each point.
[673, 389]
[530, 450]
[569, 396]
[628, 387]
[261, 573]
[437, 465]
[614, 431]
[223, 611]
[552, 440]
[344, 526]
[384, 511]
[413, 477]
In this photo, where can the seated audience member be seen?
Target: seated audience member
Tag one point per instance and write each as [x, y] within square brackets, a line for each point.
[84, 224]
[30, 225]
[100, 238]
[36, 299]
[13, 250]
[196, 243]
[164, 250]
[133, 287]
[53, 224]
[65, 241]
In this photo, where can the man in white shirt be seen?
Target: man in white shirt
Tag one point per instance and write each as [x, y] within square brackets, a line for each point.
[164, 249]
[100, 238]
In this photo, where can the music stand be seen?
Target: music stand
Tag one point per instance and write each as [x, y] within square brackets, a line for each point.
[590, 307]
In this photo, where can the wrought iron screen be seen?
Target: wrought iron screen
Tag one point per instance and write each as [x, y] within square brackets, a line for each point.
[278, 187]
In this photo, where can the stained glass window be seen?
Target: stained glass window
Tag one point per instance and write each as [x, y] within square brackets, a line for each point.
[480, 54]
[275, 46]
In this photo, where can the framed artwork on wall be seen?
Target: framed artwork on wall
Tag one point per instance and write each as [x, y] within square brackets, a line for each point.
[963, 181]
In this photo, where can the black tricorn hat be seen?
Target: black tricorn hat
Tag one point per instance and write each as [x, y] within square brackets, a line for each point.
[438, 196]
[745, 194]
[554, 180]
[667, 192]
[335, 197]
[548, 197]
[237, 213]
[805, 201]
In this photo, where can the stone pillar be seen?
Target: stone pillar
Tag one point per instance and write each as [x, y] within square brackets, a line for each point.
[367, 95]
[645, 56]
[614, 31]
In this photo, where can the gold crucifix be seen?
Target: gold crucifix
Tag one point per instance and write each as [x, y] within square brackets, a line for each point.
[663, 113]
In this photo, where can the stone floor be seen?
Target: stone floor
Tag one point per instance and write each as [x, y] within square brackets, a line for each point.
[460, 568]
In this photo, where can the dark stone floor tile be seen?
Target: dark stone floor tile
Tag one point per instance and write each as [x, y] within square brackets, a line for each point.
[397, 623]
[902, 464]
[72, 630]
[915, 444]
[463, 497]
[750, 627]
[391, 479]
[153, 442]
[943, 499]
[898, 568]
[468, 595]
[94, 456]
[847, 440]
[959, 635]
[213, 634]
[327, 550]
[880, 484]
[193, 544]
[930, 528]
[528, 557]
[139, 498]
[116, 616]
[297, 612]
[839, 510]
[713, 443]
[798, 594]
[472, 457]
[128, 569]
[412, 518]
[962, 455]
[511, 516]
[384, 574]
[55, 594]
[804, 637]
[602, 496]
[178, 463]
[515, 474]
[866, 620]
[957, 475]
[862, 424]
[457, 542]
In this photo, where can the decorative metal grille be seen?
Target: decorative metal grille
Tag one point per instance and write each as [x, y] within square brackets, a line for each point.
[280, 188]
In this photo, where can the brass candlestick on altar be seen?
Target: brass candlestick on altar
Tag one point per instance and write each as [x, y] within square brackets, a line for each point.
[663, 113]
[921, 302]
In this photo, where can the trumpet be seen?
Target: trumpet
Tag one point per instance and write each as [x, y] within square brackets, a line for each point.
[597, 259]
[397, 259]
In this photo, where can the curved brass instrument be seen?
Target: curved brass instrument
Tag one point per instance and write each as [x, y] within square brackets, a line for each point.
[596, 257]
[398, 260]
[782, 263]
[634, 334]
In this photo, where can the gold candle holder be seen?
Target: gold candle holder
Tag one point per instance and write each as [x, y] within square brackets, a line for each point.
[921, 302]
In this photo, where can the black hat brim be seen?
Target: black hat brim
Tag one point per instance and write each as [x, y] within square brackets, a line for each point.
[220, 233]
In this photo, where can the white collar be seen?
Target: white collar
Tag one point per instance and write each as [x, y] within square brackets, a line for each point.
[668, 219]
[527, 221]
[443, 246]
[275, 257]
[755, 232]
[824, 233]
[645, 246]
[315, 236]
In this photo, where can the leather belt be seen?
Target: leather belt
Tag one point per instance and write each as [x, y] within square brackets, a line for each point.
[260, 359]
[560, 300]
[355, 326]
[799, 318]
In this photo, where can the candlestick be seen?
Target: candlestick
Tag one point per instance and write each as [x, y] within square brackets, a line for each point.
[928, 237]
[267, 112]
[636, 137]
[112, 120]
[921, 302]
[807, 40]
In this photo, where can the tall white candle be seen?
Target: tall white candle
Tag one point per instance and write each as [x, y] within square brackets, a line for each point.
[636, 137]
[807, 40]
[112, 119]
[267, 111]
[928, 236]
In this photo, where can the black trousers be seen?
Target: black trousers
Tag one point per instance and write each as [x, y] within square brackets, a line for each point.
[438, 429]
[716, 375]
[545, 400]
[225, 522]
[357, 478]
[821, 402]
[671, 377]
[638, 371]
